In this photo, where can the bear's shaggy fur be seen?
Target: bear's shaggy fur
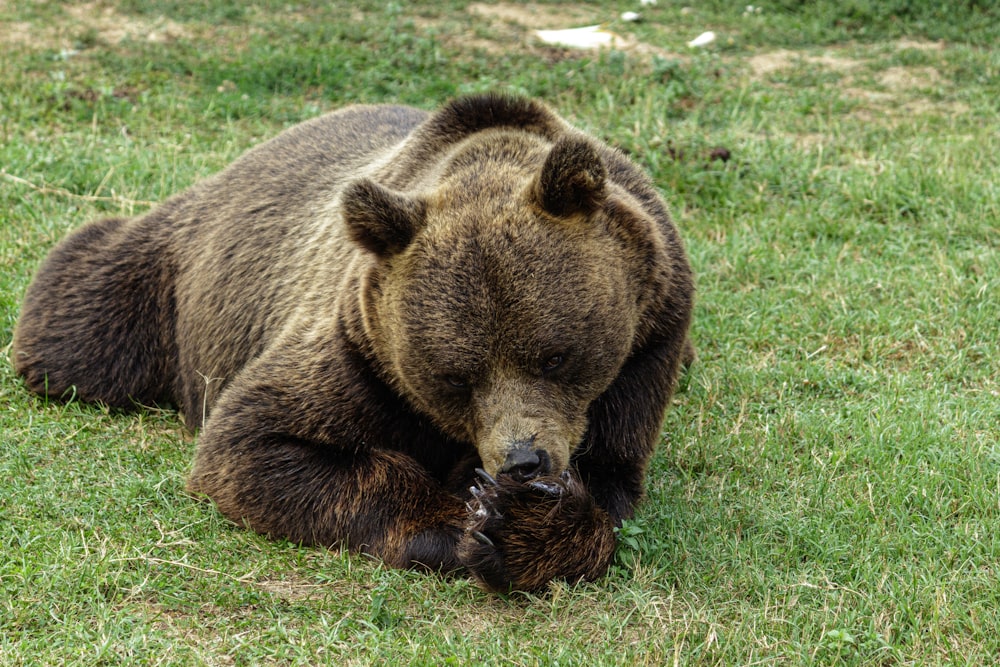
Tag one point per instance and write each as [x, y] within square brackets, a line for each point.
[445, 339]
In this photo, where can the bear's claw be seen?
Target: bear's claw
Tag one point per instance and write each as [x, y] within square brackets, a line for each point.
[486, 477]
[556, 487]
[548, 488]
[484, 497]
[482, 539]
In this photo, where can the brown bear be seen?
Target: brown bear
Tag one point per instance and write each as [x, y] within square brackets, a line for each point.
[445, 339]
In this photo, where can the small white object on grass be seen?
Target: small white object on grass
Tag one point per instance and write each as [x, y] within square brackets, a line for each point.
[589, 37]
[632, 17]
[704, 39]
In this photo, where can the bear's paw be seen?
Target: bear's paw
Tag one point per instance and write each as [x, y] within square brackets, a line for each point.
[522, 535]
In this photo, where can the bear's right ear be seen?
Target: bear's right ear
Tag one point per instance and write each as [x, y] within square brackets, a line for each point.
[573, 179]
[379, 219]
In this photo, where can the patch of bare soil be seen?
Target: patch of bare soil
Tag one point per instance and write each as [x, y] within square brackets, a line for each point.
[902, 95]
[112, 27]
[909, 78]
[536, 17]
[16, 32]
[766, 63]
[763, 64]
[103, 23]
[901, 86]
[920, 45]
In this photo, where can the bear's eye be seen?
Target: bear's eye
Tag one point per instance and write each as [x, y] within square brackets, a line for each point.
[456, 382]
[552, 363]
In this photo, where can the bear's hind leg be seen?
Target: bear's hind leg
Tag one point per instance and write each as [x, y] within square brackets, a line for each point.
[93, 318]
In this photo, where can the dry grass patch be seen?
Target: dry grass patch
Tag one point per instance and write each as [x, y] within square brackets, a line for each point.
[765, 64]
[113, 27]
[903, 79]
[889, 96]
[534, 16]
[92, 21]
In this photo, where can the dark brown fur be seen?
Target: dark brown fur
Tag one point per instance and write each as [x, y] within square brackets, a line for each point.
[365, 309]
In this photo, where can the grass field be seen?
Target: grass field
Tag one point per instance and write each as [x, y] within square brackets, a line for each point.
[828, 487]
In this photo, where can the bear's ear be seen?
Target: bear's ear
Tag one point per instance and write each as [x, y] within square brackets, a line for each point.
[379, 219]
[573, 179]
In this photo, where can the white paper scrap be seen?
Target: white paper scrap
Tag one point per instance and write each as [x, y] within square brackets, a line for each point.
[704, 39]
[589, 37]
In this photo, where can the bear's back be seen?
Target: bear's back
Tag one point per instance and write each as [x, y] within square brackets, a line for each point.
[251, 243]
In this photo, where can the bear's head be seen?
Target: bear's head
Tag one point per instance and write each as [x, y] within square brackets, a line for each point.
[505, 299]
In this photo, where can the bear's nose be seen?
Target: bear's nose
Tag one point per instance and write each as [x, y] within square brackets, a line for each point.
[524, 463]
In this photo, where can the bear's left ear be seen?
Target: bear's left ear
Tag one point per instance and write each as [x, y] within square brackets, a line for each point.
[379, 219]
[573, 179]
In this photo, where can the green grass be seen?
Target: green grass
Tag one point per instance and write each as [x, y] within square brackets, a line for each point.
[828, 489]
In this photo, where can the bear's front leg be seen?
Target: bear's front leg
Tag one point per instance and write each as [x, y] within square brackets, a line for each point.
[521, 536]
[377, 502]
[299, 447]
[309, 491]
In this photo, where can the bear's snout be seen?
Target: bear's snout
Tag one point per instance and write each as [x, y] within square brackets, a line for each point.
[524, 462]
[505, 449]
